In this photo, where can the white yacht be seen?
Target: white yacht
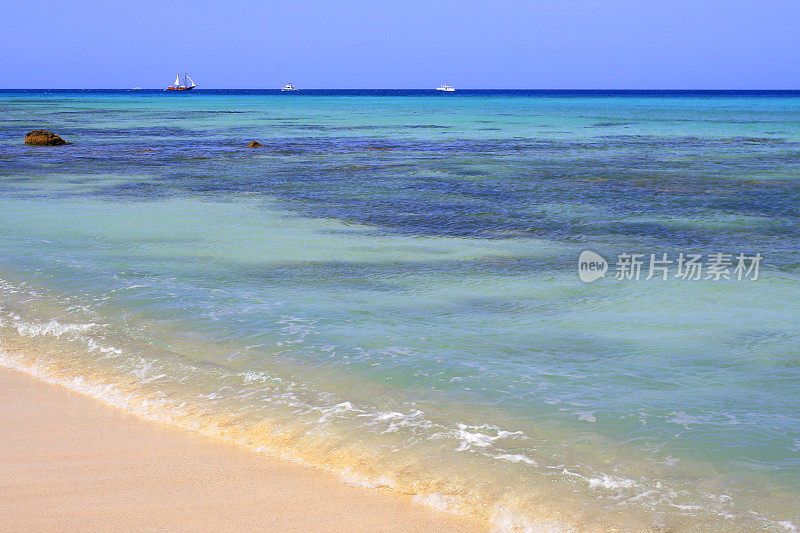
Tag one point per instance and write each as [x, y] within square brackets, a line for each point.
[289, 87]
[446, 88]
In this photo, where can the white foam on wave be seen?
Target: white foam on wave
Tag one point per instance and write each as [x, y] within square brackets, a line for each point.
[470, 437]
[339, 408]
[516, 458]
[395, 421]
[392, 415]
[603, 482]
[53, 328]
[611, 482]
[97, 347]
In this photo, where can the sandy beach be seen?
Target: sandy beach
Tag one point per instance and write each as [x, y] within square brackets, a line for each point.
[68, 462]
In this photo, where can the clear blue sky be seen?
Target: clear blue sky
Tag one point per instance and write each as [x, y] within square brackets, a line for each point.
[606, 44]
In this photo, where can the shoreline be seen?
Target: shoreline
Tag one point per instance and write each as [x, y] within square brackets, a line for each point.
[72, 462]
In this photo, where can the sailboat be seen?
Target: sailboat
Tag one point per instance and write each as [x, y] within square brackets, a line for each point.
[178, 86]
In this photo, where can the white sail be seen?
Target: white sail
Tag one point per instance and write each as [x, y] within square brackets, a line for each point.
[190, 81]
[177, 80]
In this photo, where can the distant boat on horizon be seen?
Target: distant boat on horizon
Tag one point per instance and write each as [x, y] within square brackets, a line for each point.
[178, 86]
[289, 87]
[446, 88]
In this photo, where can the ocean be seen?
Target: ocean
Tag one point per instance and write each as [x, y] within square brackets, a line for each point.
[390, 289]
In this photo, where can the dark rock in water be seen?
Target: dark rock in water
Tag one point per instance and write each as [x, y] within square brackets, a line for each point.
[44, 138]
[254, 144]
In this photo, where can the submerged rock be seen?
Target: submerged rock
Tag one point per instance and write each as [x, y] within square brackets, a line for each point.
[43, 138]
[254, 144]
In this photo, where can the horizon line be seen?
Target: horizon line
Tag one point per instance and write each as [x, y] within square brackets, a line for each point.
[198, 88]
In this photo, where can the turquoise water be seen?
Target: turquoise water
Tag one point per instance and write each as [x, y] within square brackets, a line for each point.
[389, 290]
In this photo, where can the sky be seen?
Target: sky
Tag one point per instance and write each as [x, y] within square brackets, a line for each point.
[503, 44]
